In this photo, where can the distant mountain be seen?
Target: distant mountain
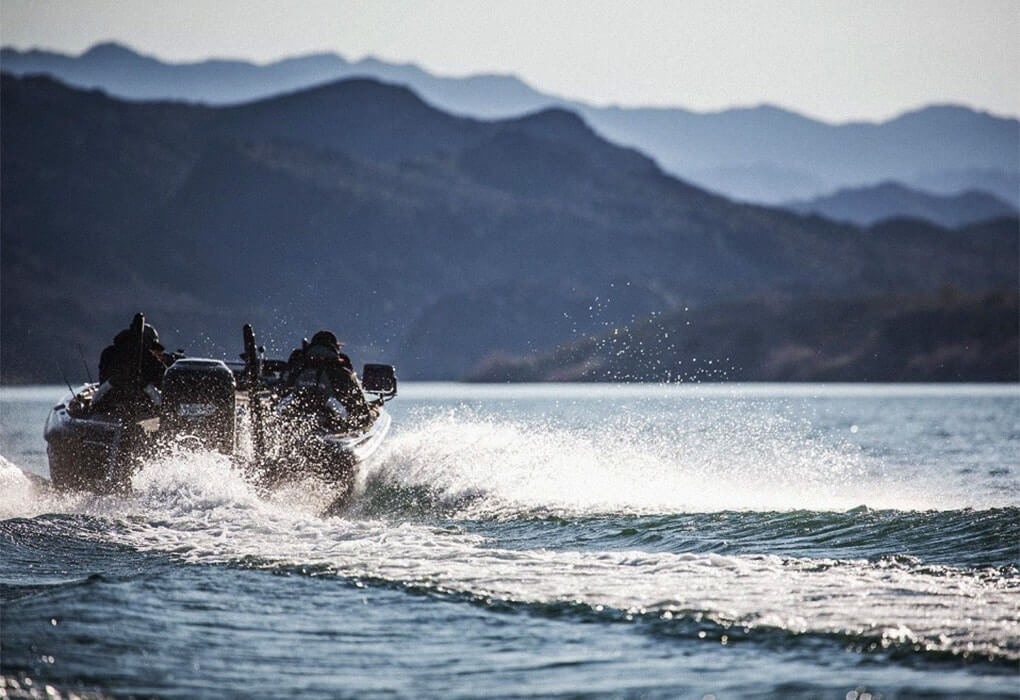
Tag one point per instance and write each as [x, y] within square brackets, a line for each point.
[1003, 184]
[740, 152]
[763, 154]
[889, 338]
[423, 238]
[121, 72]
[869, 205]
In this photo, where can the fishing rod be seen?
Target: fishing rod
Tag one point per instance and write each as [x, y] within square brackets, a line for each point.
[63, 375]
[138, 335]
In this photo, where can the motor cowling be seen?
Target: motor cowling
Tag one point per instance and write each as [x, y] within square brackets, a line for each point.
[199, 400]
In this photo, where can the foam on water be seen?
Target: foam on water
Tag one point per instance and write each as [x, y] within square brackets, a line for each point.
[496, 468]
[199, 507]
[462, 461]
[25, 495]
[643, 455]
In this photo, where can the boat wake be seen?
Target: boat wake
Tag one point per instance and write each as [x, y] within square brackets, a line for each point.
[460, 464]
[457, 463]
[673, 529]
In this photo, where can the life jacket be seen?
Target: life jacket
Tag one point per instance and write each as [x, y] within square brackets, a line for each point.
[317, 370]
[322, 380]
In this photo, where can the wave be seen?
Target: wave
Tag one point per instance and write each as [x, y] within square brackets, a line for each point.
[768, 489]
[894, 607]
[460, 463]
[759, 528]
[964, 538]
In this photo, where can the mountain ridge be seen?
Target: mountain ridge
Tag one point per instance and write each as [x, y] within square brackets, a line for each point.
[116, 49]
[709, 148]
[501, 238]
[865, 206]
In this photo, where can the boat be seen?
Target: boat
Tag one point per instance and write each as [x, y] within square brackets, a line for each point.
[235, 408]
[92, 449]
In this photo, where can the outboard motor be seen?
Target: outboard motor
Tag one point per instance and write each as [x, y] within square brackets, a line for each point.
[199, 401]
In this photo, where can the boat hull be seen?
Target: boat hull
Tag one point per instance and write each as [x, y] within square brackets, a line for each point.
[100, 451]
[297, 455]
[93, 452]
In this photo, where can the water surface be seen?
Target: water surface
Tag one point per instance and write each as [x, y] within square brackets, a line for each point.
[625, 540]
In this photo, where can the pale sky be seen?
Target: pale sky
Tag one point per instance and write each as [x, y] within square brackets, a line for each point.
[837, 60]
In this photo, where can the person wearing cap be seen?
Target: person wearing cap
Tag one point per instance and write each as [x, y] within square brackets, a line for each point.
[320, 367]
[121, 378]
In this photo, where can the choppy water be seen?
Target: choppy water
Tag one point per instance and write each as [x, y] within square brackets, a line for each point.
[625, 541]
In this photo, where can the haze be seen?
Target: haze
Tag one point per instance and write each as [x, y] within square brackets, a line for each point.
[837, 60]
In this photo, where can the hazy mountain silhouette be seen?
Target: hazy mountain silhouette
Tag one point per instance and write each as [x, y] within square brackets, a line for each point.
[423, 238]
[889, 338]
[1003, 184]
[869, 205]
[763, 154]
[760, 153]
[122, 72]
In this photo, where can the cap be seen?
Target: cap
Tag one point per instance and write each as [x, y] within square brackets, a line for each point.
[327, 338]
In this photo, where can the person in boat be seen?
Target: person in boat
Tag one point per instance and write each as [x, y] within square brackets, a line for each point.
[319, 373]
[131, 375]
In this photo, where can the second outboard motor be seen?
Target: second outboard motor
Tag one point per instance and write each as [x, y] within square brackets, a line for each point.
[199, 400]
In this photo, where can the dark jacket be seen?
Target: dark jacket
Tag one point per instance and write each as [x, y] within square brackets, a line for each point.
[119, 362]
[327, 370]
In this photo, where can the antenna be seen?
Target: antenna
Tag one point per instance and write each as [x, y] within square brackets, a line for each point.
[138, 331]
[87, 372]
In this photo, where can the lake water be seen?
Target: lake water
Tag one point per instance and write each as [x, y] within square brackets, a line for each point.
[619, 541]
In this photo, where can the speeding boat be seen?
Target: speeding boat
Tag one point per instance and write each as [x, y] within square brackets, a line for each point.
[297, 437]
[97, 444]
